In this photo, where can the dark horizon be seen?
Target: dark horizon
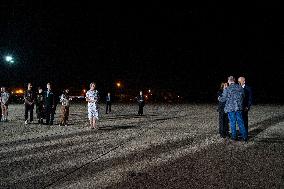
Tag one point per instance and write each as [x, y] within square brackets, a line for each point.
[187, 50]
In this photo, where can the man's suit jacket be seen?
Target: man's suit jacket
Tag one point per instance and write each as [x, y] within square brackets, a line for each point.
[248, 97]
[49, 99]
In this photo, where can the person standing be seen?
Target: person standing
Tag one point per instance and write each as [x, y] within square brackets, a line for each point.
[233, 95]
[108, 103]
[65, 104]
[5, 96]
[29, 98]
[141, 103]
[49, 105]
[92, 98]
[223, 117]
[40, 105]
[247, 100]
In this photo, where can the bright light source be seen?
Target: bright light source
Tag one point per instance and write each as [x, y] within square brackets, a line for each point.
[118, 84]
[84, 90]
[149, 90]
[8, 58]
[19, 91]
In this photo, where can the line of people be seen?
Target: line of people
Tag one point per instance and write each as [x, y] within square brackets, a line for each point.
[235, 101]
[45, 103]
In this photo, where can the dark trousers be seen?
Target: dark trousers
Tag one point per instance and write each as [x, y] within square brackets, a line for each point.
[49, 115]
[140, 111]
[223, 124]
[245, 118]
[108, 107]
[29, 108]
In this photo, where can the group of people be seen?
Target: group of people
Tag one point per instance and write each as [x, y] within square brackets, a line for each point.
[235, 101]
[45, 103]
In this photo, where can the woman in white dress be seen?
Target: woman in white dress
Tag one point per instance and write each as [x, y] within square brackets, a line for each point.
[92, 98]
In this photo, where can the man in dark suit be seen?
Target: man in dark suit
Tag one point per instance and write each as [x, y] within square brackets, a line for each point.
[247, 103]
[141, 103]
[108, 103]
[49, 105]
[29, 104]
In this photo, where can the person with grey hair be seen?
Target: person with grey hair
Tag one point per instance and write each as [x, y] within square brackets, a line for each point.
[233, 95]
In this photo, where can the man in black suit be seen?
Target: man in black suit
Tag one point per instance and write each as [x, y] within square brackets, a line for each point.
[49, 105]
[108, 103]
[29, 104]
[247, 103]
[141, 103]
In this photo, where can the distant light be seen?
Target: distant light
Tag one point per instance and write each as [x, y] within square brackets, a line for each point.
[178, 96]
[118, 84]
[20, 91]
[84, 91]
[149, 90]
[146, 96]
[8, 58]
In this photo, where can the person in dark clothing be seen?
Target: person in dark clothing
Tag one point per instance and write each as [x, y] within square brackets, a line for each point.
[247, 103]
[223, 117]
[40, 105]
[141, 103]
[65, 105]
[49, 105]
[108, 103]
[29, 104]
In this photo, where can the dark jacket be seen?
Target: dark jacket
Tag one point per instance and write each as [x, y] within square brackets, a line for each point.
[29, 97]
[49, 99]
[221, 105]
[108, 99]
[140, 100]
[248, 97]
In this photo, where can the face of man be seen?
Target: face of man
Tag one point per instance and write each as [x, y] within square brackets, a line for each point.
[2, 89]
[141, 93]
[40, 91]
[108, 94]
[30, 86]
[48, 86]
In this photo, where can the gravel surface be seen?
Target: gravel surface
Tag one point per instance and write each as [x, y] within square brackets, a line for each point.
[171, 146]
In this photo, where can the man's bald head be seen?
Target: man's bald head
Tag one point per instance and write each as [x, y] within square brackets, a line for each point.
[242, 80]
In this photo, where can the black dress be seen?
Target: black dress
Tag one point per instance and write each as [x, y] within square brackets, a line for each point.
[223, 118]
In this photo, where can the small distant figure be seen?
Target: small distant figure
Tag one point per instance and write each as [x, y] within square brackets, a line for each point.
[247, 100]
[92, 98]
[5, 97]
[233, 95]
[40, 106]
[65, 104]
[108, 103]
[141, 103]
[49, 105]
[29, 98]
[223, 117]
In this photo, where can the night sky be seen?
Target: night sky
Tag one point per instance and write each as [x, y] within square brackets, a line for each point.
[185, 49]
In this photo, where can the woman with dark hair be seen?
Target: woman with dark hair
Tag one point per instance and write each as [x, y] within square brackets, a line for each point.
[39, 105]
[223, 117]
